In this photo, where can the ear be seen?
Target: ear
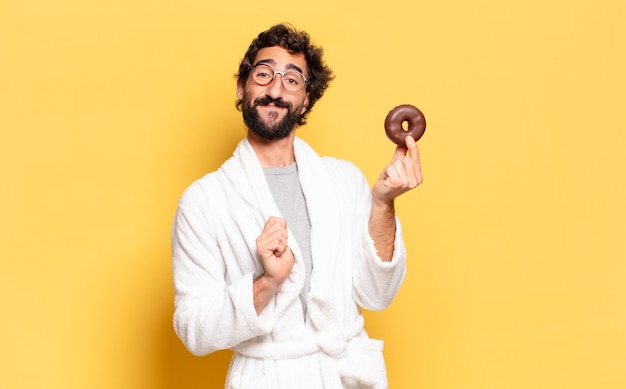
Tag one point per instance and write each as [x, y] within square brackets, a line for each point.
[240, 89]
[305, 104]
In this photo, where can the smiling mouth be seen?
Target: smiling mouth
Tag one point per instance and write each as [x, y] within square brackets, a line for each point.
[267, 101]
[271, 106]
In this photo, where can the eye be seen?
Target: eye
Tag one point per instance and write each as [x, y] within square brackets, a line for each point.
[293, 78]
[263, 73]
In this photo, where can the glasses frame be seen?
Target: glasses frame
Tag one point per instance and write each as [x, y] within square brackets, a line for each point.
[282, 77]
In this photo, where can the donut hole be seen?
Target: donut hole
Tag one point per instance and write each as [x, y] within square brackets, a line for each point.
[405, 125]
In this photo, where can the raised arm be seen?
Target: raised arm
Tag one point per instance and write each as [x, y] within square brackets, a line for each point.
[401, 175]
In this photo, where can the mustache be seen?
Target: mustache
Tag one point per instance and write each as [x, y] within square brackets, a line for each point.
[267, 100]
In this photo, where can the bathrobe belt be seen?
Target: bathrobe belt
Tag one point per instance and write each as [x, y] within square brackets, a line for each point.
[333, 352]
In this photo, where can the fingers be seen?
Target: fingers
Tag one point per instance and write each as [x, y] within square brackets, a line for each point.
[273, 238]
[273, 251]
[403, 173]
[407, 149]
[411, 146]
[405, 169]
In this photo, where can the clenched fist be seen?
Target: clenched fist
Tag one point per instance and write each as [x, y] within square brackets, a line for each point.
[276, 258]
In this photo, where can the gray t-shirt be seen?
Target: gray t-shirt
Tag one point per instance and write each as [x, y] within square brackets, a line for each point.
[285, 187]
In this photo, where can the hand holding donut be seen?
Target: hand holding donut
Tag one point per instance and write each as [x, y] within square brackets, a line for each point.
[402, 174]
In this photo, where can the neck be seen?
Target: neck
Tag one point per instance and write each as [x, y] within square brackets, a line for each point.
[273, 153]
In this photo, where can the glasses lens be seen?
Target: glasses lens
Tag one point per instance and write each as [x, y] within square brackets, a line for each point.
[262, 74]
[293, 81]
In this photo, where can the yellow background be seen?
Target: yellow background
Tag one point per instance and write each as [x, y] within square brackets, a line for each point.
[109, 110]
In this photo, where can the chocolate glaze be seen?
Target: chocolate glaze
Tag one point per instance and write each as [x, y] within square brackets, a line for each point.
[400, 114]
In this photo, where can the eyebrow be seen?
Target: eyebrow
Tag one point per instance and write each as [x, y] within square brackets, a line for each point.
[289, 66]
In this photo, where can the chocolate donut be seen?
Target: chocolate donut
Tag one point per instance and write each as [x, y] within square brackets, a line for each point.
[400, 114]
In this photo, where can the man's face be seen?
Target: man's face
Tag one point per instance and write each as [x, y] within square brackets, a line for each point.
[270, 111]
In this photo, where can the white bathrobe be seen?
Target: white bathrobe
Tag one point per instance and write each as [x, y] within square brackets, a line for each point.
[214, 263]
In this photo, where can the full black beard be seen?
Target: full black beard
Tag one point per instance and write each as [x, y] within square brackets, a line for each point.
[254, 122]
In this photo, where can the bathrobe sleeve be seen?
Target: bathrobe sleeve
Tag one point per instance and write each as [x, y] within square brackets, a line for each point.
[375, 282]
[211, 312]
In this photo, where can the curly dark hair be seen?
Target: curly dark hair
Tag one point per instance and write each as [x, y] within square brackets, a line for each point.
[294, 41]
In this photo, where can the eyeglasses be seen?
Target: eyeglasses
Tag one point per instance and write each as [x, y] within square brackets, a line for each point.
[263, 74]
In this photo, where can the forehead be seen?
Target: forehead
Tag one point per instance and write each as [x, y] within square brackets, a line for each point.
[281, 59]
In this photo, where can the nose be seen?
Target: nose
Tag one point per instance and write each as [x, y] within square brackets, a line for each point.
[275, 87]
